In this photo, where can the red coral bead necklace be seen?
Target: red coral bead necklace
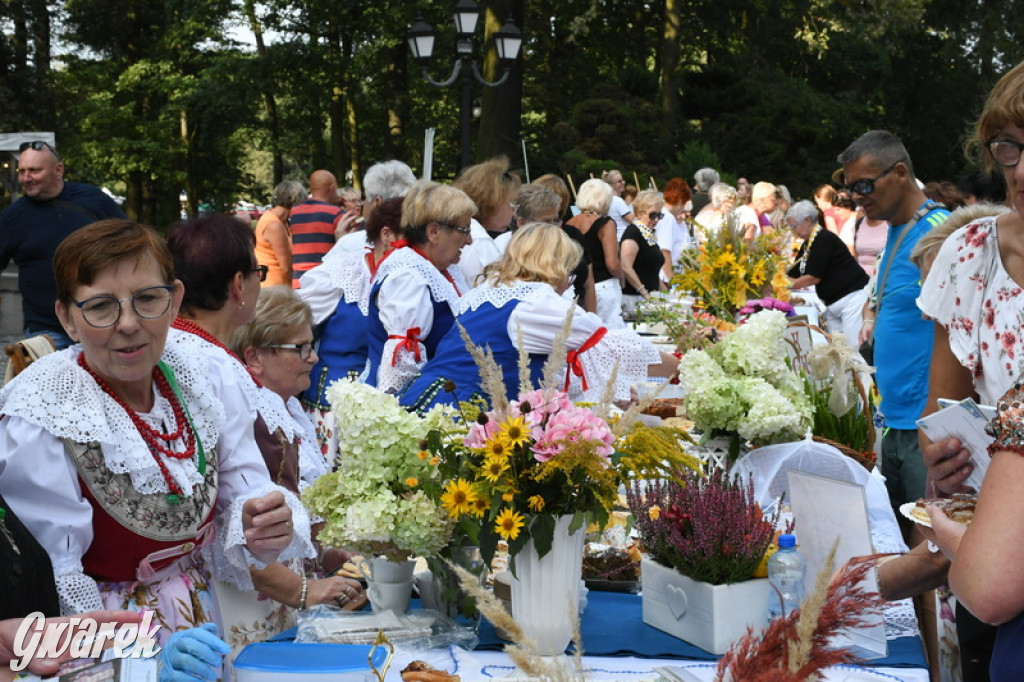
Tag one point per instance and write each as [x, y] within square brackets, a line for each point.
[148, 433]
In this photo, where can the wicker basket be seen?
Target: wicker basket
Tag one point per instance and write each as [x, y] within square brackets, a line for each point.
[868, 458]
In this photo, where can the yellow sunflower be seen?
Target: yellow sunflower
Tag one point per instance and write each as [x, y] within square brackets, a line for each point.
[508, 524]
[494, 467]
[515, 432]
[458, 498]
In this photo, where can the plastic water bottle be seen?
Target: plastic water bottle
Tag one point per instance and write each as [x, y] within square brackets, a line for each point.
[786, 571]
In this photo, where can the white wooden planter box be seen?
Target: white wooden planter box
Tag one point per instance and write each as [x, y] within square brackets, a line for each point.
[709, 616]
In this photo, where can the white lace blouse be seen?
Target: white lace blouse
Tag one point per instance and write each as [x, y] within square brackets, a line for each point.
[541, 312]
[409, 285]
[56, 399]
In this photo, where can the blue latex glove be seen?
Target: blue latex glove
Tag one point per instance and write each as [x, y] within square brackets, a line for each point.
[194, 654]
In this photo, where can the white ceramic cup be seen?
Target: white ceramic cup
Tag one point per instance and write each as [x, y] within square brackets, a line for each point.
[385, 596]
[386, 571]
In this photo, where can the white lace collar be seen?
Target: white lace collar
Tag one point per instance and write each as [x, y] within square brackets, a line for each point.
[312, 463]
[440, 288]
[501, 294]
[58, 395]
[197, 346]
[350, 274]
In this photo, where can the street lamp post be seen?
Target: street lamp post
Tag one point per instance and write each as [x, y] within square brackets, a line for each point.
[466, 14]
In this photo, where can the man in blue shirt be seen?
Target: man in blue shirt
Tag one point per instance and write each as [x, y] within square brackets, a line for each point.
[32, 227]
[879, 175]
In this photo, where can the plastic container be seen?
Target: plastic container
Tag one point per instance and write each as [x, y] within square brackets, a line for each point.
[294, 662]
[786, 572]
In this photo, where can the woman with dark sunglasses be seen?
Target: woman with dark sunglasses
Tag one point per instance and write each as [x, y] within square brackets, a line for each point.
[641, 256]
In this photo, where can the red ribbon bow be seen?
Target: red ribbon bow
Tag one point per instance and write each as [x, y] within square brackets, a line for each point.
[410, 342]
[573, 358]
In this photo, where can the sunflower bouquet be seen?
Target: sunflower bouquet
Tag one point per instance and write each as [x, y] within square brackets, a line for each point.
[727, 269]
[519, 467]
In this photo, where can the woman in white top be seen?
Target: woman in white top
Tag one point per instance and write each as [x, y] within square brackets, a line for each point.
[521, 298]
[121, 458]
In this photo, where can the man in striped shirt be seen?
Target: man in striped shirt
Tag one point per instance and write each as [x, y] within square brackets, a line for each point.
[313, 223]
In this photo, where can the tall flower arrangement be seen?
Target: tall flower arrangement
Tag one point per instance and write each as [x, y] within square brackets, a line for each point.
[375, 502]
[522, 465]
[743, 385]
[727, 270]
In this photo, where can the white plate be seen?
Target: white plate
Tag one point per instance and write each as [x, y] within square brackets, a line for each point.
[907, 510]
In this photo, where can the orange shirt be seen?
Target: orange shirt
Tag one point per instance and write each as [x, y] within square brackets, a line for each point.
[278, 273]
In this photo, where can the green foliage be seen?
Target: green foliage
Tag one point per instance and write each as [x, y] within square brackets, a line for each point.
[150, 97]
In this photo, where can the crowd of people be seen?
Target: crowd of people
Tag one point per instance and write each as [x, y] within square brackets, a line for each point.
[155, 461]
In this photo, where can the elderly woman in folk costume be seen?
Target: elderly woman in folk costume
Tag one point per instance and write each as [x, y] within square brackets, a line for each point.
[522, 295]
[121, 458]
[415, 291]
[338, 293]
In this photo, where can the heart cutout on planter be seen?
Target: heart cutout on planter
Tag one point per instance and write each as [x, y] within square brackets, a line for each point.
[677, 601]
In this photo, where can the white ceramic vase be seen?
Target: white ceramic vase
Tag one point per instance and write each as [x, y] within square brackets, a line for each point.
[546, 591]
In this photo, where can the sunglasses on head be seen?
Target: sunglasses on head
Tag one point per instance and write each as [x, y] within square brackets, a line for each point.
[867, 185]
[38, 145]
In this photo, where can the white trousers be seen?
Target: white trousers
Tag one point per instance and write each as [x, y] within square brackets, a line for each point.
[844, 315]
[609, 303]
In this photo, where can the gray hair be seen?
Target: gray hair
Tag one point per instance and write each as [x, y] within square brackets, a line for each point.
[706, 177]
[802, 210]
[536, 200]
[288, 193]
[719, 193]
[595, 195]
[387, 180]
[880, 146]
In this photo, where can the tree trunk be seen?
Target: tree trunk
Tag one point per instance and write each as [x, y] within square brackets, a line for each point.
[501, 113]
[351, 119]
[670, 69]
[249, 10]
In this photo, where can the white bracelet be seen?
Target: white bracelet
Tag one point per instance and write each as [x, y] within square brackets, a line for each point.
[302, 597]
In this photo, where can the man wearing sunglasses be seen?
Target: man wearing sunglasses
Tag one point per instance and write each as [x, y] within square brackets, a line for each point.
[31, 228]
[878, 174]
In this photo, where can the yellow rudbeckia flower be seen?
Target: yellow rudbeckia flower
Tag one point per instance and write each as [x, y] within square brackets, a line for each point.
[515, 431]
[493, 468]
[508, 524]
[458, 497]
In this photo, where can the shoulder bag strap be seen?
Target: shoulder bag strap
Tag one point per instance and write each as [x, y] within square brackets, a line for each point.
[928, 207]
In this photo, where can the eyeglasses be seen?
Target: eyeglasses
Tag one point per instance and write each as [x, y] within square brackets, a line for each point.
[38, 145]
[867, 185]
[305, 350]
[464, 230]
[104, 311]
[263, 270]
[1005, 152]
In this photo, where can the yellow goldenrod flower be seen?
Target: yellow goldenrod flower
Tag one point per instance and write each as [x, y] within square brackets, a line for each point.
[508, 524]
[412, 482]
[458, 498]
[654, 512]
[494, 467]
[536, 503]
[515, 431]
